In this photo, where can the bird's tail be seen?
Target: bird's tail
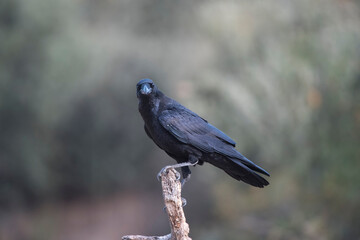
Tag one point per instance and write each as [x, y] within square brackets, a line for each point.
[242, 172]
[240, 168]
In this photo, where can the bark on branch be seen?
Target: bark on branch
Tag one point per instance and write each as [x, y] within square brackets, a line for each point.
[171, 188]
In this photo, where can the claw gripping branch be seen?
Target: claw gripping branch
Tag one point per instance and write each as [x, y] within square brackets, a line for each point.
[171, 189]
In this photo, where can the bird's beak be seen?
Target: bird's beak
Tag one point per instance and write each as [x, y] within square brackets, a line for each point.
[145, 89]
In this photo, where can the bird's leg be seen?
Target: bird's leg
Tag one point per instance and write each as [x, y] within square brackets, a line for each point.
[185, 180]
[185, 175]
[179, 165]
[186, 171]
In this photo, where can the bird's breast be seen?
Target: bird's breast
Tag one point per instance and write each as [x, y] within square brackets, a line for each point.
[150, 111]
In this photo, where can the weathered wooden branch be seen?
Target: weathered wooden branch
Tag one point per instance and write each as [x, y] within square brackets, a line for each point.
[139, 237]
[171, 188]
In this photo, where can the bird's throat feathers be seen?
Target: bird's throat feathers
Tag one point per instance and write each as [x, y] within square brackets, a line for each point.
[149, 105]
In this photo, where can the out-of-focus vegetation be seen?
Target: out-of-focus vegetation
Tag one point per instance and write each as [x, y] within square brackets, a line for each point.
[282, 78]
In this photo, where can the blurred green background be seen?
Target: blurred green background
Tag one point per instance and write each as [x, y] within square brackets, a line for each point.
[282, 78]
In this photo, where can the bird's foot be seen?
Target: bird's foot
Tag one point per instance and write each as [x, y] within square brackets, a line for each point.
[165, 169]
[178, 176]
[184, 202]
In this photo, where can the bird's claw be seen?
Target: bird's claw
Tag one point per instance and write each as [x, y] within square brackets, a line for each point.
[164, 169]
[158, 176]
[178, 176]
[182, 182]
[184, 202]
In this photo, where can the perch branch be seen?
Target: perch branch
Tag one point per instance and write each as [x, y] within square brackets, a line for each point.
[171, 188]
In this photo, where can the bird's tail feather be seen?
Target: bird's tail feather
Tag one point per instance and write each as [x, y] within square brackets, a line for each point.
[243, 173]
[238, 170]
[241, 160]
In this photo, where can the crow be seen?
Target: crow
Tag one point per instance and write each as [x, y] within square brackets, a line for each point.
[190, 139]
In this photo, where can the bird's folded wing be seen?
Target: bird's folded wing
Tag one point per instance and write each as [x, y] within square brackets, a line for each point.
[189, 128]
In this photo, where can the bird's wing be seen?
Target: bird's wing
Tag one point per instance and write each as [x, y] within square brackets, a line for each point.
[191, 129]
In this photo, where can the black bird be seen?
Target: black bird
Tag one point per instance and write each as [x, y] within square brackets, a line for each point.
[190, 139]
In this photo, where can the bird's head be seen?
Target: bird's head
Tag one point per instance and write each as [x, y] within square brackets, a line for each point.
[145, 87]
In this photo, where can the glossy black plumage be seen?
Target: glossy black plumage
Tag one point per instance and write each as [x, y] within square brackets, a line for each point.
[186, 137]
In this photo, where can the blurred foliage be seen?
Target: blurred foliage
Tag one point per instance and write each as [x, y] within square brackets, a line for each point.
[282, 78]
